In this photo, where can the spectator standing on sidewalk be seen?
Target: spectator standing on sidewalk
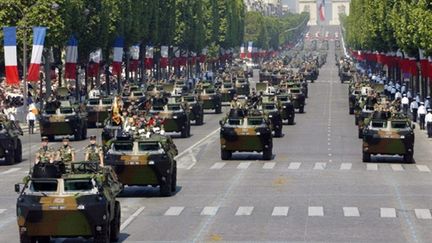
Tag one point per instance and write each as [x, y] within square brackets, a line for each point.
[428, 121]
[427, 103]
[421, 114]
[413, 108]
[31, 118]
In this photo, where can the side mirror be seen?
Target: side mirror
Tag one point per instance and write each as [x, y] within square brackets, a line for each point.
[17, 188]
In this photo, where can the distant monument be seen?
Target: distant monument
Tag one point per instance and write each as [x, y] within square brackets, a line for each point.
[311, 6]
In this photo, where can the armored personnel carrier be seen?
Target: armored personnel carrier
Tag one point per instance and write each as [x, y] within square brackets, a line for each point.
[195, 108]
[10, 142]
[227, 91]
[98, 110]
[270, 109]
[68, 204]
[241, 132]
[286, 108]
[242, 86]
[209, 97]
[144, 158]
[388, 134]
[298, 99]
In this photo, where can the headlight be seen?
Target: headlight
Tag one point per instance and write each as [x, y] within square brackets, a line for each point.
[174, 117]
[151, 162]
[270, 116]
[284, 106]
[402, 137]
[67, 119]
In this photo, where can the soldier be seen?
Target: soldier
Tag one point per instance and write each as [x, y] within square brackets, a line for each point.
[235, 104]
[66, 153]
[428, 121]
[93, 151]
[421, 115]
[46, 153]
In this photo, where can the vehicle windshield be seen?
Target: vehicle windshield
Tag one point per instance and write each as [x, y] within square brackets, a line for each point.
[123, 146]
[399, 124]
[175, 107]
[283, 98]
[106, 101]
[43, 186]
[137, 93]
[93, 102]
[378, 124]
[295, 91]
[189, 98]
[268, 106]
[227, 86]
[255, 121]
[66, 110]
[146, 146]
[78, 185]
[235, 122]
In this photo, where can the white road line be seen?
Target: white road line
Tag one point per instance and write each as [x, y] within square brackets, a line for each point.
[209, 211]
[131, 218]
[397, 167]
[387, 212]
[371, 166]
[197, 143]
[11, 170]
[218, 165]
[243, 165]
[423, 168]
[294, 166]
[269, 165]
[280, 211]
[346, 166]
[174, 211]
[351, 212]
[2, 210]
[423, 213]
[244, 211]
[187, 162]
[320, 166]
[315, 211]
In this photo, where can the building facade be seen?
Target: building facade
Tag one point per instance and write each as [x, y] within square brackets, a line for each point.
[267, 7]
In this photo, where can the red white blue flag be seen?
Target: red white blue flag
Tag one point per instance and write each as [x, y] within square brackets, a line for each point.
[134, 52]
[39, 34]
[118, 56]
[71, 58]
[322, 10]
[10, 55]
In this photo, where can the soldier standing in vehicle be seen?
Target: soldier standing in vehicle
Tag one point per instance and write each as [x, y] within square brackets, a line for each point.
[66, 153]
[94, 152]
[46, 153]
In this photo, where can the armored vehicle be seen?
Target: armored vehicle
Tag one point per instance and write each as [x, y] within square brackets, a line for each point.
[245, 133]
[10, 142]
[210, 98]
[143, 159]
[242, 86]
[195, 108]
[98, 110]
[298, 99]
[270, 109]
[80, 202]
[227, 91]
[60, 117]
[174, 114]
[286, 108]
[388, 134]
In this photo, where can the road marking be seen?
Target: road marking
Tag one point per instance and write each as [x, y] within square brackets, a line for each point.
[371, 166]
[218, 165]
[387, 213]
[2, 210]
[280, 211]
[346, 166]
[315, 211]
[131, 218]
[244, 211]
[423, 213]
[174, 211]
[320, 166]
[397, 167]
[243, 165]
[351, 212]
[197, 143]
[423, 168]
[269, 165]
[209, 211]
[11, 170]
[294, 166]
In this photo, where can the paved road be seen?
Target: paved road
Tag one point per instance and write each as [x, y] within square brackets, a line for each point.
[316, 189]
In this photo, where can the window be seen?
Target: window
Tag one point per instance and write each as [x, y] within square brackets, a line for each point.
[78, 185]
[255, 122]
[123, 146]
[93, 102]
[295, 91]
[399, 125]
[44, 186]
[106, 101]
[66, 110]
[137, 94]
[227, 86]
[269, 107]
[175, 107]
[234, 122]
[189, 99]
[210, 91]
[143, 147]
[378, 124]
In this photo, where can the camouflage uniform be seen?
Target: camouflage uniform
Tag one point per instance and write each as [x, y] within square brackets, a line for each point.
[45, 154]
[93, 151]
[65, 153]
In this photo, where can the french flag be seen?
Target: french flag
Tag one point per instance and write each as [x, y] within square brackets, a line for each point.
[242, 52]
[118, 56]
[164, 56]
[39, 34]
[148, 62]
[10, 55]
[134, 54]
[71, 58]
[322, 10]
[250, 49]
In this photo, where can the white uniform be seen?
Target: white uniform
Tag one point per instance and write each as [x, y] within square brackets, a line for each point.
[405, 101]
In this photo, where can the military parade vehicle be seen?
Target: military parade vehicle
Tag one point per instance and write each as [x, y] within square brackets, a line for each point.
[346, 70]
[241, 86]
[388, 133]
[98, 110]
[270, 109]
[209, 97]
[80, 202]
[10, 142]
[227, 91]
[241, 132]
[298, 99]
[195, 108]
[143, 158]
[286, 108]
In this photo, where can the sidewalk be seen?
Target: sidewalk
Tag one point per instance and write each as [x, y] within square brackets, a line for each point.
[24, 127]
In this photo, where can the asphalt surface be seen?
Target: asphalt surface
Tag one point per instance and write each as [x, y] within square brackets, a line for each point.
[316, 188]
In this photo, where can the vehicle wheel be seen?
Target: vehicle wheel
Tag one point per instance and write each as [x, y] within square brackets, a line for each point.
[174, 178]
[18, 151]
[115, 223]
[291, 121]
[351, 111]
[356, 121]
[226, 154]
[184, 132]
[27, 239]
[360, 134]
[189, 130]
[78, 135]
[84, 133]
[278, 133]
[267, 154]
[218, 109]
[51, 138]
[408, 158]
[104, 235]
[366, 157]
[10, 157]
[166, 189]
[301, 109]
[200, 121]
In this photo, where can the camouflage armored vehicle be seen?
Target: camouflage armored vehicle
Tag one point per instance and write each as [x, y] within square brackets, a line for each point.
[209, 97]
[298, 99]
[80, 202]
[144, 159]
[227, 91]
[245, 133]
[270, 109]
[174, 114]
[10, 142]
[388, 134]
[195, 108]
[286, 108]
[98, 110]
[241, 86]
[61, 117]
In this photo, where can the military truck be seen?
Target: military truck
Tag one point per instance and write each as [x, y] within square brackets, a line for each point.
[98, 110]
[10, 142]
[286, 108]
[194, 107]
[174, 114]
[80, 202]
[143, 159]
[61, 117]
[245, 131]
[209, 97]
[388, 134]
